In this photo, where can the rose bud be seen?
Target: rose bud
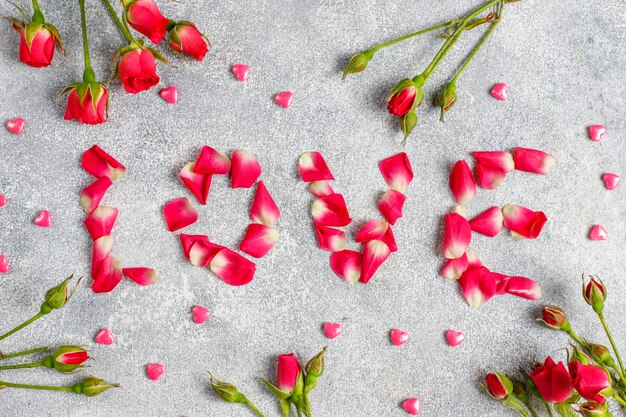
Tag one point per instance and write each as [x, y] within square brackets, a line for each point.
[408, 121]
[594, 293]
[184, 37]
[592, 382]
[447, 98]
[498, 386]
[66, 359]
[404, 98]
[227, 392]
[289, 379]
[137, 68]
[554, 318]
[145, 17]
[58, 296]
[314, 369]
[358, 63]
[92, 386]
[593, 409]
[519, 390]
[601, 354]
[553, 381]
[87, 102]
[37, 42]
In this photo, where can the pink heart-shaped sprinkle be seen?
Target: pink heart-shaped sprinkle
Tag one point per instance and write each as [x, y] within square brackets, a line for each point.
[241, 71]
[455, 338]
[500, 91]
[332, 330]
[105, 337]
[596, 132]
[200, 314]
[43, 219]
[155, 370]
[4, 265]
[15, 126]
[169, 94]
[411, 406]
[611, 181]
[598, 232]
[399, 337]
[3, 201]
[284, 99]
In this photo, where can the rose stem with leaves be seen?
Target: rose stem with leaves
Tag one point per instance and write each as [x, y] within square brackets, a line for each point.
[23, 353]
[88, 76]
[38, 387]
[37, 15]
[125, 32]
[610, 336]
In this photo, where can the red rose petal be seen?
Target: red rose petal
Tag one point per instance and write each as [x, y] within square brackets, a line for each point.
[313, 167]
[179, 213]
[102, 248]
[347, 265]
[202, 252]
[330, 239]
[232, 268]
[100, 221]
[259, 240]
[245, 169]
[490, 177]
[478, 286]
[330, 211]
[212, 162]
[462, 183]
[108, 276]
[457, 236]
[524, 222]
[489, 222]
[100, 164]
[375, 252]
[142, 276]
[320, 189]
[532, 160]
[502, 160]
[198, 184]
[91, 195]
[523, 287]
[454, 268]
[374, 229]
[264, 210]
[391, 204]
[397, 171]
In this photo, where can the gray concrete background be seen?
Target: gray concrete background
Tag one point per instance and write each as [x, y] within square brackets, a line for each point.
[564, 62]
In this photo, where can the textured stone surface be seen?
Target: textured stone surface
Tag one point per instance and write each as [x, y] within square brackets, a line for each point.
[565, 68]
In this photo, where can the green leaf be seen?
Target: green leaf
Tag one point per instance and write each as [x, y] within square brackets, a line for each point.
[56, 35]
[285, 406]
[564, 410]
[282, 395]
[157, 55]
[31, 31]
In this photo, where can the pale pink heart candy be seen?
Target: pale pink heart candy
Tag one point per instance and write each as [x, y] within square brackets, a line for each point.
[500, 91]
[598, 232]
[43, 219]
[332, 330]
[399, 337]
[15, 126]
[411, 406]
[155, 370]
[3, 201]
[241, 71]
[596, 132]
[200, 314]
[4, 264]
[454, 338]
[169, 94]
[284, 99]
[611, 181]
[105, 337]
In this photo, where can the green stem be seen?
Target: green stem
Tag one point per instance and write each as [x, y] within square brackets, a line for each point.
[21, 326]
[531, 409]
[37, 15]
[23, 353]
[40, 387]
[576, 338]
[118, 22]
[411, 35]
[477, 47]
[452, 39]
[619, 400]
[545, 404]
[608, 334]
[253, 408]
[22, 366]
[88, 75]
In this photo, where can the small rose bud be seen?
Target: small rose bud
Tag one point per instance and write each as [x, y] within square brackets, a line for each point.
[92, 386]
[357, 63]
[314, 369]
[145, 17]
[67, 359]
[594, 293]
[447, 98]
[579, 356]
[287, 373]
[499, 386]
[227, 392]
[87, 102]
[58, 296]
[185, 38]
[408, 121]
[403, 98]
[593, 409]
[554, 318]
[601, 354]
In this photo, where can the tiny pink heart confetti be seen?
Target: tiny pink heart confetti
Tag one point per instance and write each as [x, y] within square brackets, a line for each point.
[611, 181]
[43, 219]
[399, 337]
[200, 314]
[105, 337]
[3, 201]
[240, 71]
[155, 371]
[4, 264]
[284, 99]
[596, 132]
[454, 338]
[500, 91]
[169, 94]
[332, 330]
[411, 406]
[598, 232]
[15, 126]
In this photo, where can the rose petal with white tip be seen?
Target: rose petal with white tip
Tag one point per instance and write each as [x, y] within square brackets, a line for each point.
[202, 252]
[454, 268]
[390, 240]
[375, 252]
[330, 239]
[397, 171]
[245, 169]
[187, 241]
[532, 160]
[523, 287]
[502, 160]
[391, 204]
[457, 236]
[108, 276]
[489, 222]
[330, 211]
[490, 177]
[179, 213]
[211, 162]
[462, 183]
[100, 221]
[232, 268]
[313, 167]
[102, 248]
[478, 286]
[91, 195]
[100, 164]
[524, 222]
[373, 229]
[259, 240]
[264, 210]
[198, 184]
[347, 265]
[142, 276]
[473, 261]
[320, 188]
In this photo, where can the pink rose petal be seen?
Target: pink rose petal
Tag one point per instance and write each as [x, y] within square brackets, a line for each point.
[611, 181]
[155, 371]
[169, 94]
[391, 205]
[15, 126]
[91, 195]
[397, 171]
[501, 160]
[284, 99]
[456, 237]
[102, 248]
[398, 337]
[462, 183]
[264, 210]
[375, 252]
[179, 213]
[330, 211]
[533, 160]
[108, 276]
[490, 177]
[500, 91]
[313, 167]
[489, 222]
[4, 264]
[320, 188]
[100, 164]
[411, 406]
[259, 240]
[347, 265]
[212, 161]
[374, 229]
[332, 330]
[232, 268]
[100, 222]
[142, 276]
[330, 239]
[198, 184]
[478, 286]
[202, 252]
[200, 314]
[187, 242]
[454, 268]
[245, 169]
[105, 337]
[454, 338]
[596, 132]
[597, 232]
[524, 222]
[240, 71]
[523, 287]
[43, 219]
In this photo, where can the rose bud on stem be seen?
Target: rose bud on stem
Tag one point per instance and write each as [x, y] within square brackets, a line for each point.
[89, 387]
[593, 409]
[554, 318]
[55, 299]
[145, 17]
[314, 369]
[87, 101]
[184, 37]
[37, 38]
[65, 359]
[230, 394]
[499, 387]
[289, 388]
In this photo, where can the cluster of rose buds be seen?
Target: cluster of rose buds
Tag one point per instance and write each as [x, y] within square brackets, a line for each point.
[408, 94]
[88, 100]
[64, 359]
[261, 235]
[329, 211]
[106, 270]
[590, 376]
[293, 385]
[479, 284]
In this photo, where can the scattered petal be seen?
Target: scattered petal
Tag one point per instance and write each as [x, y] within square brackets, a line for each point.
[142, 276]
[454, 268]
[532, 160]
[169, 94]
[245, 169]
[478, 286]
[320, 188]
[240, 71]
[284, 99]
[105, 337]
[15, 126]
[390, 240]
[456, 236]
[473, 261]
[596, 132]
[264, 210]
[198, 184]
[179, 213]
[496, 159]
[411, 406]
[391, 204]
[347, 265]
[102, 248]
[187, 242]
[100, 221]
[462, 183]
[332, 330]
[202, 252]
[490, 177]
[523, 287]
[232, 268]
[398, 337]
[454, 338]
[259, 240]
[489, 222]
[108, 276]
[155, 371]
[500, 91]
[313, 167]
[375, 252]
[611, 181]
[91, 195]
[330, 211]
[100, 164]
[4, 264]
[43, 219]
[200, 314]
[212, 162]
[374, 229]
[330, 239]
[523, 221]
[3, 201]
[460, 210]
[397, 171]
[501, 282]
[597, 232]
